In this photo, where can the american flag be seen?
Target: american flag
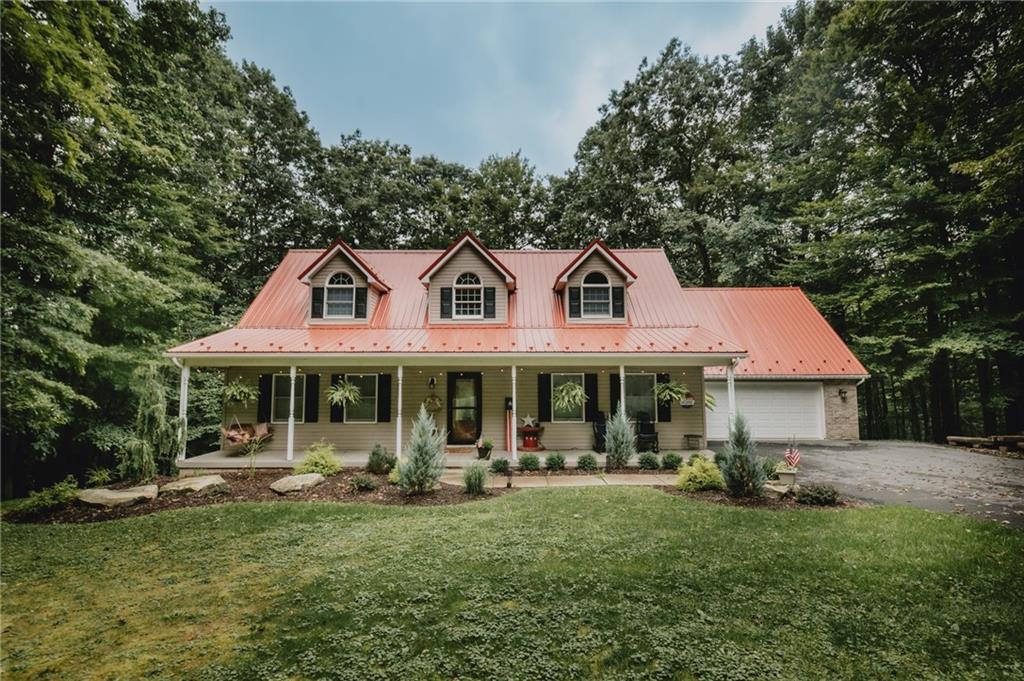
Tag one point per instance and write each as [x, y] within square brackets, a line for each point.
[792, 455]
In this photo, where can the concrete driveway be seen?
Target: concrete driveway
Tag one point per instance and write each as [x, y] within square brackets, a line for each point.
[922, 475]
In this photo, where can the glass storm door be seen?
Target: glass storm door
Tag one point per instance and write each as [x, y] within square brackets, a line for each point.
[464, 414]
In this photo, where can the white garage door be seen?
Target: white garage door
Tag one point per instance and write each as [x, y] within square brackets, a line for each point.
[774, 410]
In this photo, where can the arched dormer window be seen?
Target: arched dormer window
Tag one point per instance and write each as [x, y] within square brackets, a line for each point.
[597, 295]
[469, 296]
[340, 295]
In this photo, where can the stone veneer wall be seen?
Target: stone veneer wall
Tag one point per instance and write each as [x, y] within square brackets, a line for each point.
[841, 417]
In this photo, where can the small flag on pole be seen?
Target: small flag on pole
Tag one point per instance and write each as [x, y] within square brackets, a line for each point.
[792, 455]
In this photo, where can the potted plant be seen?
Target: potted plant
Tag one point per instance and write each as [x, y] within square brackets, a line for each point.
[240, 392]
[673, 391]
[483, 449]
[791, 464]
[786, 473]
[568, 396]
[343, 393]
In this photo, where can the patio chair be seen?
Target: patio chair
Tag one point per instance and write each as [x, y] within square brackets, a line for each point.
[646, 433]
[600, 430]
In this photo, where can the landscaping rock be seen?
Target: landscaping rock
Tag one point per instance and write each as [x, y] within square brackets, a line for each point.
[774, 490]
[200, 484]
[112, 498]
[296, 483]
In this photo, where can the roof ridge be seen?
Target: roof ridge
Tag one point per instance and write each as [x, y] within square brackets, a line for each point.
[740, 288]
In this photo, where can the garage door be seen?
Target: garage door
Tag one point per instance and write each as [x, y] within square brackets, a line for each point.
[774, 410]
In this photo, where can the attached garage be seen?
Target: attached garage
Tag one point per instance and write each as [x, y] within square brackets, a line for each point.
[775, 410]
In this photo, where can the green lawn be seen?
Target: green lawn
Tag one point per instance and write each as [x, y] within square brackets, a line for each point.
[544, 584]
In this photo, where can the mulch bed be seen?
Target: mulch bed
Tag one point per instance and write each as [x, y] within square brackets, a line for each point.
[576, 471]
[244, 487]
[768, 503]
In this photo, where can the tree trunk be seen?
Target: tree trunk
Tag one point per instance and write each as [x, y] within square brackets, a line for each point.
[983, 369]
[940, 383]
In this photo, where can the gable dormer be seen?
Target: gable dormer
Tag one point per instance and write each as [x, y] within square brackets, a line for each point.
[343, 288]
[467, 284]
[593, 286]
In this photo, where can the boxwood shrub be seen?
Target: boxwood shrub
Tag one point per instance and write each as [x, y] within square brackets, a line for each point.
[529, 462]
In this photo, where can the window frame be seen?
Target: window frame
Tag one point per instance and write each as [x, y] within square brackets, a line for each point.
[654, 397]
[477, 287]
[300, 394]
[350, 287]
[376, 393]
[583, 407]
[606, 287]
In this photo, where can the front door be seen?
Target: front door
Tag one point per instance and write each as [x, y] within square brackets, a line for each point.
[464, 409]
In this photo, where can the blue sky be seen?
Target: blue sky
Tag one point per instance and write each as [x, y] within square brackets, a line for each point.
[463, 81]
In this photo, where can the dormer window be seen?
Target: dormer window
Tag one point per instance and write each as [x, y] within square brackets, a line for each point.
[597, 295]
[469, 296]
[340, 295]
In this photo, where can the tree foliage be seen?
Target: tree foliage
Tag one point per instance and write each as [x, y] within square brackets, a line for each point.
[870, 153]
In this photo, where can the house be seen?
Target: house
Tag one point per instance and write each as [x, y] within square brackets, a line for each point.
[483, 338]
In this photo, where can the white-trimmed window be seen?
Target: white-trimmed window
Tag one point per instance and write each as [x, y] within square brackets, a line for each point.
[596, 295]
[364, 411]
[280, 398]
[571, 415]
[640, 396]
[340, 296]
[468, 297]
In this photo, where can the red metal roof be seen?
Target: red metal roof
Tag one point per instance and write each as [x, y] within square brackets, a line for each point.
[784, 334]
[781, 331]
[658, 323]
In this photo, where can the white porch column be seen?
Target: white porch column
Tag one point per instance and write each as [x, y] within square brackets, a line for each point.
[730, 380]
[291, 414]
[515, 418]
[398, 425]
[622, 386]
[183, 410]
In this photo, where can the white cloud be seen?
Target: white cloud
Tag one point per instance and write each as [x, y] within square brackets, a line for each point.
[752, 19]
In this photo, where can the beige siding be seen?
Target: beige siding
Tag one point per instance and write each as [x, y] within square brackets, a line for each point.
[339, 263]
[468, 260]
[595, 262]
[497, 385]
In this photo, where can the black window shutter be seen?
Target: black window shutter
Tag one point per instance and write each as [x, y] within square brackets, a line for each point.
[317, 311]
[263, 404]
[446, 302]
[664, 408]
[574, 302]
[544, 398]
[615, 388]
[312, 398]
[590, 387]
[383, 398]
[489, 312]
[361, 302]
[337, 410]
[618, 301]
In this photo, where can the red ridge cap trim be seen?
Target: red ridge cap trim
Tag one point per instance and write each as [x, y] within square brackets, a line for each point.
[510, 277]
[560, 280]
[327, 253]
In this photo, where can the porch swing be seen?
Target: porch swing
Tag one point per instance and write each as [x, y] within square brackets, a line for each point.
[241, 435]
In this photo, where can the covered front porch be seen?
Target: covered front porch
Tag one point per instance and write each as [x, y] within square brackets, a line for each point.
[482, 400]
[222, 460]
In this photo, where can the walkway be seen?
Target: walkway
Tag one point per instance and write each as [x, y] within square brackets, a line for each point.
[597, 479]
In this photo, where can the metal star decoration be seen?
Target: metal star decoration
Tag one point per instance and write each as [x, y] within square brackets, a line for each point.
[529, 421]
